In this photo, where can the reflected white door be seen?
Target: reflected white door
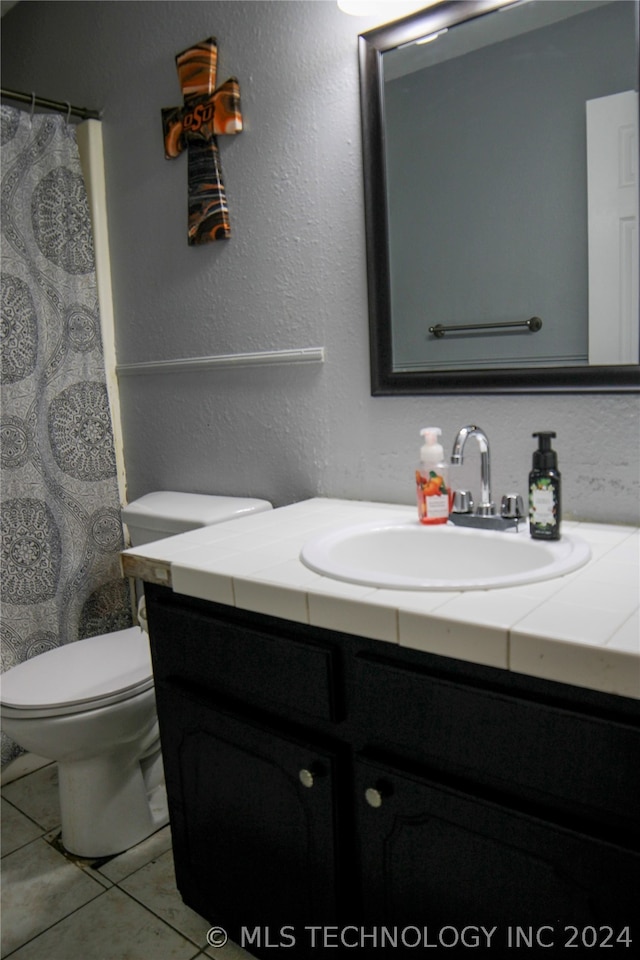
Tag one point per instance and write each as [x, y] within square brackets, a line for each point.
[612, 174]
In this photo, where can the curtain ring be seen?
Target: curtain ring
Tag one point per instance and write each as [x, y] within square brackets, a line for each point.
[68, 111]
[33, 105]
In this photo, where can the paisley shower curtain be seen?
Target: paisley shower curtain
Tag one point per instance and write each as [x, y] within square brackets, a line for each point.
[61, 529]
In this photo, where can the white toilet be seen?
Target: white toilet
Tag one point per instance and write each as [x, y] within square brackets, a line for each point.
[90, 705]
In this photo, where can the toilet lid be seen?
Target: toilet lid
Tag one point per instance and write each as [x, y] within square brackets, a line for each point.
[104, 668]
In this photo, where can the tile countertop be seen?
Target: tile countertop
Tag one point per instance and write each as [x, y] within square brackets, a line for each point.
[582, 629]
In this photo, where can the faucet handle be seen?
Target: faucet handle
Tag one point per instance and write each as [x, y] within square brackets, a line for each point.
[512, 507]
[462, 501]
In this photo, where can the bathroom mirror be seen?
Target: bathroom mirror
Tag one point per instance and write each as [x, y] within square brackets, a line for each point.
[499, 261]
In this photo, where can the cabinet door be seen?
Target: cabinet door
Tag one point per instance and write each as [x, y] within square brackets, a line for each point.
[252, 816]
[434, 855]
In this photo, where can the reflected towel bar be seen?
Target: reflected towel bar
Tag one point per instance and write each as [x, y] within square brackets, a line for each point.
[533, 324]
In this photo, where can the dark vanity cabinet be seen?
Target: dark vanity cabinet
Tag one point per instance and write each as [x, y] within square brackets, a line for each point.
[251, 837]
[332, 793]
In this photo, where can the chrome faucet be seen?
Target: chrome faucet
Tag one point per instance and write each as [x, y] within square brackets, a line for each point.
[486, 507]
[484, 515]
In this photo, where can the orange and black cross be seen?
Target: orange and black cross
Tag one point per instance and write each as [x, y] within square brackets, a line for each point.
[204, 113]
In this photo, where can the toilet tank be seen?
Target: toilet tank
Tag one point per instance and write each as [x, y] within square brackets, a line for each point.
[167, 513]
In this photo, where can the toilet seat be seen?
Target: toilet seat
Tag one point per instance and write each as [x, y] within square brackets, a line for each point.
[84, 675]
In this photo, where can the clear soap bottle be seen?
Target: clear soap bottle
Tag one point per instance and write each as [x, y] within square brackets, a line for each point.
[432, 480]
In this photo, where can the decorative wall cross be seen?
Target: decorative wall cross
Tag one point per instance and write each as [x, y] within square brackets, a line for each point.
[205, 112]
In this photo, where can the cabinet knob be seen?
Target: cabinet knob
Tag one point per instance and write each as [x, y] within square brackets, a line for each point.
[375, 795]
[307, 776]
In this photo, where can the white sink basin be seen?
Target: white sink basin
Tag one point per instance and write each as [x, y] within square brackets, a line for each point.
[410, 556]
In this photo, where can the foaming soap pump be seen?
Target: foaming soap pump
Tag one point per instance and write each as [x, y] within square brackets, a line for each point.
[432, 482]
[544, 491]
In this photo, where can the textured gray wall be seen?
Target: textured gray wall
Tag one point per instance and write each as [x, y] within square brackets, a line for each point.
[293, 275]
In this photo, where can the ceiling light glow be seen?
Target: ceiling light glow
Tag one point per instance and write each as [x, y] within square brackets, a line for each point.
[432, 36]
[384, 9]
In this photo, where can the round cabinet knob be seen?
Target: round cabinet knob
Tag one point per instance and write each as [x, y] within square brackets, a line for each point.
[306, 778]
[375, 795]
[308, 775]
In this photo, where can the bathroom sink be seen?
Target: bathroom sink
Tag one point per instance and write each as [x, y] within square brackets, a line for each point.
[410, 556]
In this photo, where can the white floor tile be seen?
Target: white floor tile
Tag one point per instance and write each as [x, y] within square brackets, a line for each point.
[39, 887]
[17, 830]
[131, 860]
[111, 927]
[24, 764]
[230, 951]
[56, 908]
[154, 885]
[37, 796]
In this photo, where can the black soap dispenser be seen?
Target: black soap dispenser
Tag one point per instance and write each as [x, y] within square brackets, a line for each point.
[544, 490]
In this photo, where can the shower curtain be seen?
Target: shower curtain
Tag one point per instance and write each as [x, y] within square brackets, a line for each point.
[61, 530]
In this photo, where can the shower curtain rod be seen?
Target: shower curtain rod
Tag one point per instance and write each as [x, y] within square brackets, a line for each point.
[60, 105]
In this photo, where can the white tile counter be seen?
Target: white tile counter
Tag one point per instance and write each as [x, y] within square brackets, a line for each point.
[582, 629]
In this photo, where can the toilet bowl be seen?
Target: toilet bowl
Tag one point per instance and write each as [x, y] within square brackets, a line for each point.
[90, 705]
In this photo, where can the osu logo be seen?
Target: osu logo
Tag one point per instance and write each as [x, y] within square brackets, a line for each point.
[194, 119]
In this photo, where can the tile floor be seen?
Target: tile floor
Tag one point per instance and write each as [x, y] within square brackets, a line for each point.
[54, 908]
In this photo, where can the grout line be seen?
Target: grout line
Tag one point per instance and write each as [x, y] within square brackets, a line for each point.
[101, 890]
[88, 870]
[45, 830]
[27, 773]
[56, 922]
[41, 836]
[100, 884]
[141, 903]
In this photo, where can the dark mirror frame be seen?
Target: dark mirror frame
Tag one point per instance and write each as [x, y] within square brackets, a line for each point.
[384, 381]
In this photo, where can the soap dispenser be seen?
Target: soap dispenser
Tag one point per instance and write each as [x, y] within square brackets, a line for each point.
[544, 490]
[432, 482]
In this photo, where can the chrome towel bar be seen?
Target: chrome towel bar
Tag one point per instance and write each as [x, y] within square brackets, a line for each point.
[533, 324]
